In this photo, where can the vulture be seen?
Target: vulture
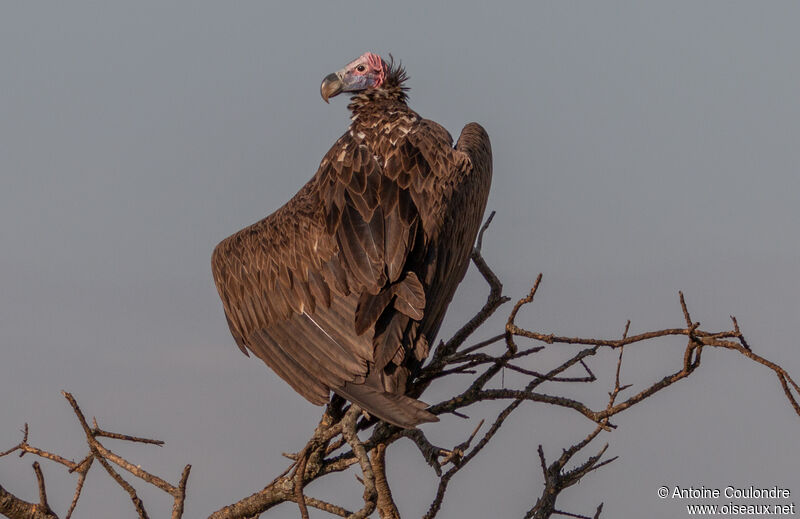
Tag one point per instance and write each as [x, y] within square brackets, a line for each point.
[344, 288]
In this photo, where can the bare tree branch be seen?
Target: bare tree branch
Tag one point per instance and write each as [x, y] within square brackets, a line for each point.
[387, 509]
[466, 360]
[97, 451]
[335, 446]
[15, 508]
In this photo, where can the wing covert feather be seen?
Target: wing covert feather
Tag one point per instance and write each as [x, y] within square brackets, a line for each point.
[356, 271]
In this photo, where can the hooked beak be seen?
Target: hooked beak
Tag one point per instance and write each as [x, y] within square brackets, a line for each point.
[331, 86]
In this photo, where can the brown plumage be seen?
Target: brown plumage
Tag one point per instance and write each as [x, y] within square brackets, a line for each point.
[343, 288]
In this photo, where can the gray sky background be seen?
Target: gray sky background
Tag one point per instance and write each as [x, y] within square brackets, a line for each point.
[641, 148]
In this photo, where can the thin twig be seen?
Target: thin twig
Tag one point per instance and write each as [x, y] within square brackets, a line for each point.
[82, 473]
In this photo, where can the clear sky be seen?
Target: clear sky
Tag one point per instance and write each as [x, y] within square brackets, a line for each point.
[641, 148]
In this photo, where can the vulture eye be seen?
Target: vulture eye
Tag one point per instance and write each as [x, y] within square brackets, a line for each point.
[361, 68]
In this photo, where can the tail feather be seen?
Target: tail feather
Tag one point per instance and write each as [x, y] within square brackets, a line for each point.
[400, 410]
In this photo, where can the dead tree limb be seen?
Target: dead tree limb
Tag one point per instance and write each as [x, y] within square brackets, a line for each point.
[19, 509]
[335, 445]
[454, 357]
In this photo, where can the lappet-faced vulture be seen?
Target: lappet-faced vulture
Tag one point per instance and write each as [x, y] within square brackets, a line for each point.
[344, 288]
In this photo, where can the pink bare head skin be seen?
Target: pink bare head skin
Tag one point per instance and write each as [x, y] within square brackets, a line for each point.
[365, 72]
[372, 65]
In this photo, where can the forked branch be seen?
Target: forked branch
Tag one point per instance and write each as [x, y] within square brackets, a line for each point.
[335, 445]
[16, 508]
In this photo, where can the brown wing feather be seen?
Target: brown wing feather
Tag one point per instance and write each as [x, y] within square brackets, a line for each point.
[469, 170]
[290, 283]
[336, 287]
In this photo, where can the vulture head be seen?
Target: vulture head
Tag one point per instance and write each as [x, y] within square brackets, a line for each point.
[365, 72]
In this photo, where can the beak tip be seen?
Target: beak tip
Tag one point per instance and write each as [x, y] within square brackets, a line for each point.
[331, 86]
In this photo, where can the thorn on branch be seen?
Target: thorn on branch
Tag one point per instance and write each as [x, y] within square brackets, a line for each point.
[462, 447]
[481, 344]
[97, 431]
[684, 309]
[568, 514]
[739, 335]
[592, 377]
